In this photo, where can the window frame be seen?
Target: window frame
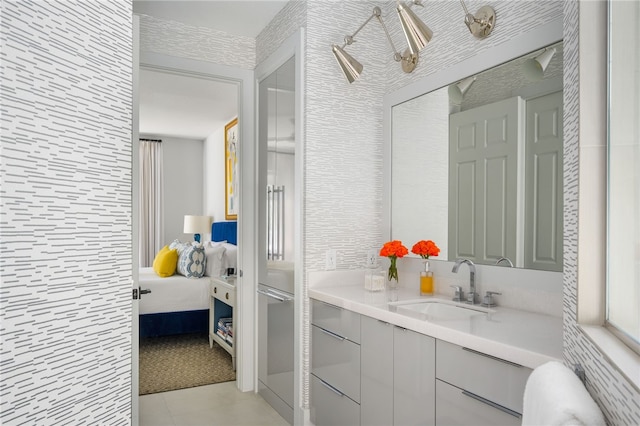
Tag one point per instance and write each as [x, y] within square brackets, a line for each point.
[619, 333]
[592, 195]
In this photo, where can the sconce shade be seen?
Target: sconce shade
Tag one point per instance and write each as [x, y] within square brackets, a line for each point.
[195, 225]
[350, 67]
[415, 31]
[534, 68]
[457, 91]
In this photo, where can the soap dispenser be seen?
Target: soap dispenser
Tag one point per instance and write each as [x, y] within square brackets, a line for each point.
[426, 280]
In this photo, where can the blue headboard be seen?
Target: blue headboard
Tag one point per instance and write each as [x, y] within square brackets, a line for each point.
[225, 231]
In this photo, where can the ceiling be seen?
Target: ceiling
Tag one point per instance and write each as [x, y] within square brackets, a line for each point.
[189, 107]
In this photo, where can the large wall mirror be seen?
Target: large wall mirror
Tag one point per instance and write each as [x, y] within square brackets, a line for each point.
[476, 165]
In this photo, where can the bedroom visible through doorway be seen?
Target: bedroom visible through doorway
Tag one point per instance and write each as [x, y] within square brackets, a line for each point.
[188, 114]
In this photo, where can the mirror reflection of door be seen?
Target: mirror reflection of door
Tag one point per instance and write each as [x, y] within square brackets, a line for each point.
[483, 202]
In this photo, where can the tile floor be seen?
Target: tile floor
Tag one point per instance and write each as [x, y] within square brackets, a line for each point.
[219, 404]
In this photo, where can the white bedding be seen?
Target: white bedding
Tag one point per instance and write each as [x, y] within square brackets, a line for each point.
[172, 294]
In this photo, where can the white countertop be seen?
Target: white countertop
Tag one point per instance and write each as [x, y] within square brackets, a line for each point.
[526, 338]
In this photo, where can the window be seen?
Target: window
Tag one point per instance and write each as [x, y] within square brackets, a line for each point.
[623, 185]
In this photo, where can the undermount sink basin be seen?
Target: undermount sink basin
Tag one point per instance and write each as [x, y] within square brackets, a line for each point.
[437, 310]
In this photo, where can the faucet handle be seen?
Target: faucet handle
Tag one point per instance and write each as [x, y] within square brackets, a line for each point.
[488, 299]
[457, 297]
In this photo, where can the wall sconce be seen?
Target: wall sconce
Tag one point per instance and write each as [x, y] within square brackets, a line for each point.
[415, 31]
[195, 225]
[534, 68]
[481, 24]
[457, 90]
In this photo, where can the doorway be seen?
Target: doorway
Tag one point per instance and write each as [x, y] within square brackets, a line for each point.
[241, 81]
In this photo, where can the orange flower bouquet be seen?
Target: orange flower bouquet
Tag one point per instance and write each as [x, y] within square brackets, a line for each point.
[393, 250]
[425, 249]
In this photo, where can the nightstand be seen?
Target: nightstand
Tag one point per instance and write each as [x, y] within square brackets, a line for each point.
[221, 308]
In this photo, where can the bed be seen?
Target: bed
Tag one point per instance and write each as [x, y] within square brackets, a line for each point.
[177, 304]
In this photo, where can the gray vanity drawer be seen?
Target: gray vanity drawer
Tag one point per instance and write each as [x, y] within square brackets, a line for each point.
[454, 407]
[336, 320]
[329, 407]
[336, 361]
[497, 380]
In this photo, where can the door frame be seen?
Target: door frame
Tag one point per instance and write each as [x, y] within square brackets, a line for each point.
[245, 284]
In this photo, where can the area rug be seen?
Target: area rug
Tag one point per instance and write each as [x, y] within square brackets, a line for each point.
[182, 361]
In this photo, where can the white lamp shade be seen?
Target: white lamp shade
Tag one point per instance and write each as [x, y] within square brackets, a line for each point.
[457, 91]
[534, 68]
[196, 224]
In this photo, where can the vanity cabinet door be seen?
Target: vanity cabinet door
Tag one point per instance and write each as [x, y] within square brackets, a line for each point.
[336, 361]
[330, 407]
[376, 375]
[336, 320]
[456, 407]
[495, 379]
[414, 378]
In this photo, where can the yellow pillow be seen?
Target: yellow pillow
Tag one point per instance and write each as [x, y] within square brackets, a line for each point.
[165, 262]
[158, 255]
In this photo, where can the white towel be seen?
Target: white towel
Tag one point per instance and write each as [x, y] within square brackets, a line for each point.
[554, 395]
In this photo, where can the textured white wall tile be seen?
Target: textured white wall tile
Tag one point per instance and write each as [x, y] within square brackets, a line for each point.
[65, 228]
[204, 44]
[618, 399]
[286, 22]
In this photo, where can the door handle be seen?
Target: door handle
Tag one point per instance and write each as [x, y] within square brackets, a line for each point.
[138, 292]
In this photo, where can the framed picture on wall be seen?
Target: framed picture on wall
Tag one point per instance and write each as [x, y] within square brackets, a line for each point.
[231, 170]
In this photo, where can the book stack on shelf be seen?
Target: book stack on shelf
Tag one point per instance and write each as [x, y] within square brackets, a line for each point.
[225, 329]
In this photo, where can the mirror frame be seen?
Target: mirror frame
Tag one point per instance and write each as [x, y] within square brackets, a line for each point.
[483, 60]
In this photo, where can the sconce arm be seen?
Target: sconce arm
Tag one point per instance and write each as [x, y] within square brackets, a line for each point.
[396, 55]
[348, 39]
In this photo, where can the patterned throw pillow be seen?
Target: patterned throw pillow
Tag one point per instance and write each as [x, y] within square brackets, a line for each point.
[179, 246]
[191, 261]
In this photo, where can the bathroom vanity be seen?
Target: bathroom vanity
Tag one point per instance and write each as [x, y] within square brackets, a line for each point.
[375, 362]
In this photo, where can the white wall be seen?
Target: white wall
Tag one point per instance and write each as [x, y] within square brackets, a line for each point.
[213, 177]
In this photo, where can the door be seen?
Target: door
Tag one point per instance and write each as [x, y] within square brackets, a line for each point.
[543, 188]
[135, 216]
[483, 181]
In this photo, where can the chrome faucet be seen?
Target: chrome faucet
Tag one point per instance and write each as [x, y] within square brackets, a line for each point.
[471, 295]
[505, 259]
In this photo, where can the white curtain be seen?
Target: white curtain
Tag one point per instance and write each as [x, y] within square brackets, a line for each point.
[151, 200]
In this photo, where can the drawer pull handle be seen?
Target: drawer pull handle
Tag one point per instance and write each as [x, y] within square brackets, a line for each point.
[226, 295]
[334, 335]
[384, 322]
[329, 305]
[492, 404]
[491, 356]
[275, 295]
[331, 388]
[215, 289]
